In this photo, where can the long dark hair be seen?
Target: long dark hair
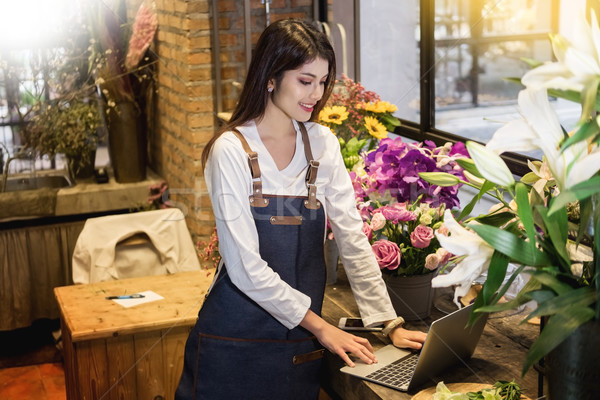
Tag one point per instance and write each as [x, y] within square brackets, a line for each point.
[284, 45]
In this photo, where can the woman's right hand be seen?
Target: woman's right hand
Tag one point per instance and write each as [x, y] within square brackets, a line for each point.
[338, 341]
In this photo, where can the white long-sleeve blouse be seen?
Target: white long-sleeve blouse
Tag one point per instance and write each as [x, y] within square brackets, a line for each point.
[229, 185]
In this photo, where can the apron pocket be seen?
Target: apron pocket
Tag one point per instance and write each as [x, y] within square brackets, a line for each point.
[306, 357]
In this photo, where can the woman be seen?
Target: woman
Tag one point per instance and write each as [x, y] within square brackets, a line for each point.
[272, 180]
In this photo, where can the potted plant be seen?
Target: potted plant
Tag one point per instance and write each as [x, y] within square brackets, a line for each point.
[68, 127]
[402, 212]
[550, 228]
[358, 117]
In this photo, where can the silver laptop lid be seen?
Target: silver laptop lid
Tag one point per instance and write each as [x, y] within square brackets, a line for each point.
[448, 342]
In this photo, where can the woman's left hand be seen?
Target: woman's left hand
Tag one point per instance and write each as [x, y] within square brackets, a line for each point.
[405, 338]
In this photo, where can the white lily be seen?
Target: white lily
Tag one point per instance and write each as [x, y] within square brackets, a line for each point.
[540, 129]
[578, 65]
[462, 242]
[490, 165]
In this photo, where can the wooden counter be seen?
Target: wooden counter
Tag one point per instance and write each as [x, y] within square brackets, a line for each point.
[113, 352]
[498, 356]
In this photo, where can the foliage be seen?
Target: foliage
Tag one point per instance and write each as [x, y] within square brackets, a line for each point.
[400, 210]
[358, 117]
[66, 127]
[502, 390]
[549, 227]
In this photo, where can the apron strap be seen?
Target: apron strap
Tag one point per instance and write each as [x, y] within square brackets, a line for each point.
[257, 199]
[311, 174]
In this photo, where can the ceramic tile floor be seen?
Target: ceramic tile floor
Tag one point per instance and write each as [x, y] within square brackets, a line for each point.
[33, 382]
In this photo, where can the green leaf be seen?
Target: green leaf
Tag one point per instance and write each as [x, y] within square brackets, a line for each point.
[580, 191]
[524, 211]
[530, 178]
[509, 282]
[586, 208]
[469, 165]
[557, 229]
[511, 245]
[581, 297]
[549, 280]
[585, 131]
[487, 185]
[522, 297]
[389, 121]
[495, 276]
[531, 63]
[589, 96]
[541, 296]
[443, 179]
[558, 328]
[495, 219]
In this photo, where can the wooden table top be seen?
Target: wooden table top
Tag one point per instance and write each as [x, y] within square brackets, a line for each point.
[499, 354]
[89, 315]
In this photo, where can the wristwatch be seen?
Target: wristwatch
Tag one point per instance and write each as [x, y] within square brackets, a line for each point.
[392, 325]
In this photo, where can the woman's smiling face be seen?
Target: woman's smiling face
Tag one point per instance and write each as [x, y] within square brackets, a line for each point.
[300, 89]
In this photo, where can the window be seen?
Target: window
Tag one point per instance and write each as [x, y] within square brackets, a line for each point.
[445, 63]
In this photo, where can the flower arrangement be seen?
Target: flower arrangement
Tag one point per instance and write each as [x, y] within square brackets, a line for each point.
[358, 117]
[158, 198]
[209, 250]
[126, 66]
[401, 211]
[547, 222]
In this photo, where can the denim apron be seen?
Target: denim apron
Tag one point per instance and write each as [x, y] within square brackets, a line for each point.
[237, 350]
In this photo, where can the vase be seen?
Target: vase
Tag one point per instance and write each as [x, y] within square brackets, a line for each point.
[411, 296]
[127, 142]
[81, 167]
[331, 254]
[572, 367]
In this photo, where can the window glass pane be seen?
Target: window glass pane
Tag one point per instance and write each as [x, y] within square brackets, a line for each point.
[382, 50]
[478, 45]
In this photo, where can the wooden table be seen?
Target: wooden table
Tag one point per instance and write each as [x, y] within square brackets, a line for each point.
[498, 356]
[113, 352]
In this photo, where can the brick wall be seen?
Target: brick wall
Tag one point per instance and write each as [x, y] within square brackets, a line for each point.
[185, 106]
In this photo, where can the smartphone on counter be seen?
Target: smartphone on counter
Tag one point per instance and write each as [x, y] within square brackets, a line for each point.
[356, 324]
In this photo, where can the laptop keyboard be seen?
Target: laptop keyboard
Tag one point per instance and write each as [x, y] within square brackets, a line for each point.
[396, 374]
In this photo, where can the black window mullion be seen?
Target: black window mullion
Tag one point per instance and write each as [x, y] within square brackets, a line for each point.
[427, 66]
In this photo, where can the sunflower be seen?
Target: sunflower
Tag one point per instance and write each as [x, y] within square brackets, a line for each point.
[375, 128]
[333, 115]
[380, 107]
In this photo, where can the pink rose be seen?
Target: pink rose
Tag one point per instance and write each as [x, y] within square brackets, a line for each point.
[387, 253]
[444, 255]
[367, 230]
[432, 261]
[397, 213]
[421, 236]
[378, 221]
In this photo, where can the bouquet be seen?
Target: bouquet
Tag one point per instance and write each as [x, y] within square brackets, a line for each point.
[401, 211]
[358, 118]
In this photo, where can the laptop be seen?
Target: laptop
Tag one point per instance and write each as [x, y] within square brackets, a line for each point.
[448, 342]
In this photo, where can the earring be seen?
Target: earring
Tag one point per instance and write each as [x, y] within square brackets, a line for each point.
[270, 89]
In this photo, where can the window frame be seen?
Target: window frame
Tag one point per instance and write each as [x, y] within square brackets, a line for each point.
[425, 128]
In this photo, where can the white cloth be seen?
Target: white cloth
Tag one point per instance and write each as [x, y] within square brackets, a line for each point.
[98, 256]
[229, 184]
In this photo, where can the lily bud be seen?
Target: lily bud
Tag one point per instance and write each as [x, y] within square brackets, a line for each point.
[490, 165]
